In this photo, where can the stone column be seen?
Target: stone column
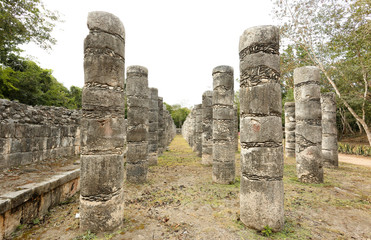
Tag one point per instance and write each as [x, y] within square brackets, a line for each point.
[308, 131]
[235, 127]
[207, 128]
[137, 93]
[198, 131]
[290, 129]
[153, 127]
[103, 125]
[223, 123]
[329, 130]
[261, 190]
[160, 126]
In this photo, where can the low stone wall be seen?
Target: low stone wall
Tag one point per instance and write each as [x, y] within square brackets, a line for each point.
[35, 133]
[34, 200]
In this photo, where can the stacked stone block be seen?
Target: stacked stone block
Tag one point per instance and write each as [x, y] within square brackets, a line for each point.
[308, 132]
[153, 127]
[161, 126]
[30, 134]
[235, 111]
[223, 124]
[329, 130]
[207, 128]
[137, 93]
[290, 129]
[103, 125]
[198, 130]
[261, 191]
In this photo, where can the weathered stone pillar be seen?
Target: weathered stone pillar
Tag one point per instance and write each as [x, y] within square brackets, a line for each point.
[223, 123]
[137, 93]
[290, 129]
[329, 130]
[207, 128]
[161, 123]
[308, 131]
[153, 127]
[103, 125]
[261, 193]
[198, 130]
[235, 127]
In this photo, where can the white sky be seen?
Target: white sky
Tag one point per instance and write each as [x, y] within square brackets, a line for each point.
[180, 42]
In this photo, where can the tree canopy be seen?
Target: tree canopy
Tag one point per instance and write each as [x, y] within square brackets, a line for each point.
[178, 114]
[334, 35]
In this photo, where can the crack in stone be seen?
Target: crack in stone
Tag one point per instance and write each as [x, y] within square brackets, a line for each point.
[103, 86]
[253, 76]
[103, 51]
[298, 85]
[270, 48]
[261, 178]
[137, 74]
[101, 197]
[246, 145]
[311, 122]
[96, 30]
[271, 114]
[302, 143]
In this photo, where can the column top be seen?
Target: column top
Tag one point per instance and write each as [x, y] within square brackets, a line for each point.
[223, 68]
[106, 22]
[263, 34]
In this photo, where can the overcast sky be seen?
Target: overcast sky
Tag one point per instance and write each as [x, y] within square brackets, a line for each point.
[180, 42]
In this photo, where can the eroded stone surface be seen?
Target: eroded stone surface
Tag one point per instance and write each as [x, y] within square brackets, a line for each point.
[290, 129]
[207, 128]
[103, 125]
[329, 130]
[137, 93]
[308, 131]
[223, 125]
[261, 191]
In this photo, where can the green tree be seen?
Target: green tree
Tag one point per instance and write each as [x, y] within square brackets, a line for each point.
[336, 37]
[22, 22]
[178, 113]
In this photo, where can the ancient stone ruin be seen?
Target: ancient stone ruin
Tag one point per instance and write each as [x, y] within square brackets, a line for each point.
[153, 127]
[329, 130]
[137, 130]
[261, 191]
[161, 126]
[308, 132]
[198, 130]
[207, 128]
[103, 125]
[290, 129]
[223, 124]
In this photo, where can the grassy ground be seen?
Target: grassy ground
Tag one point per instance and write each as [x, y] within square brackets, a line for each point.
[179, 201]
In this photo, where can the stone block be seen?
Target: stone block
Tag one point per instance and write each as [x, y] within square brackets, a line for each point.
[136, 172]
[102, 216]
[224, 172]
[309, 164]
[312, 133]
[7, 130]
[94, 97]
[264, 35]
[262, 162]
[262, 204]
[137, 152]
[261, 100]
[223, 97]
[223, 113]
[137, 116]
[306, 74]
[103, 41]
[110, 178]
[137, 133]
[102, 134]
[223, 152]
[329, 142]
[303, 108]
[261, 129]
[137, 101]
[260, 59]
[105, 22]
[223, 130]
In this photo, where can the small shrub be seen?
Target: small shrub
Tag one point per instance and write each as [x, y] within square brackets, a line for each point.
[267, 231]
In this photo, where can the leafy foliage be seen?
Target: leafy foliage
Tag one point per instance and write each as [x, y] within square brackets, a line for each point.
[23, 22]
[178, 113]
[32, 85]
[336, 37]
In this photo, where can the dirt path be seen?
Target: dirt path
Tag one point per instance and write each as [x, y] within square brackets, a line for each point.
[179, 201]
[354, 159]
